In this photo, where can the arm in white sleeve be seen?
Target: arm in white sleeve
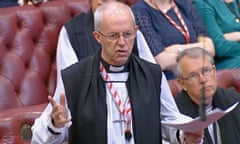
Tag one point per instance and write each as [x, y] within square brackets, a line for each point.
[143, 48]
[169, 110]
[168, 103]
[65, 57]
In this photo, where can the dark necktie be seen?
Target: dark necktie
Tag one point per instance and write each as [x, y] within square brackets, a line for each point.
[215, 132]
[207, 137]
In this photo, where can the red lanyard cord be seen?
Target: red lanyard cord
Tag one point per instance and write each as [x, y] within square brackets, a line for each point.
[184, 31]
[125, 111]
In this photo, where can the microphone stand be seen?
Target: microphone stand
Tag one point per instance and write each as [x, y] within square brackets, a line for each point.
[202, 108]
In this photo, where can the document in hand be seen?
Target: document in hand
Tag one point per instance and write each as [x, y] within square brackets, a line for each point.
[197, 124]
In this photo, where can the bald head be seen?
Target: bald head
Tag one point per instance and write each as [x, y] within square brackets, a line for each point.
[112, 11]
[115, 30]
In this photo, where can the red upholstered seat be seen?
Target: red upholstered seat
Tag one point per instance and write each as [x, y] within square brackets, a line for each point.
[28, 41]
[229, 79]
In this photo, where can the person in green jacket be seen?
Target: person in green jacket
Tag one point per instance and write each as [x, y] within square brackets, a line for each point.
[222, 20]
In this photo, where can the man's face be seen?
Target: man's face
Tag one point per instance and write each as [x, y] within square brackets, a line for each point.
[196, 73]
[116, 36]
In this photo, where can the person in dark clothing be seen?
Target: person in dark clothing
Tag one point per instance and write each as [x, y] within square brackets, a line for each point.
[8, 3]
[112, 96]
[79, 32]
[196, 73]
[170, 26]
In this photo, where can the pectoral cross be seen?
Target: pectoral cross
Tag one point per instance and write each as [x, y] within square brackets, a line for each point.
[121, 123]
[127, 131]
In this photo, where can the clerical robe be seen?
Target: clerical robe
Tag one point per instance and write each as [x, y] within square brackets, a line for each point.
[229, 125]
[86, 96]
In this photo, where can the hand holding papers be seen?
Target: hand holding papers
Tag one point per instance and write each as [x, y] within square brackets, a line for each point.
[196, 124]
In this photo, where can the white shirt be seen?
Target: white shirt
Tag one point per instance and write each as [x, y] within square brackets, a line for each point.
[116, 125]
[66, 57]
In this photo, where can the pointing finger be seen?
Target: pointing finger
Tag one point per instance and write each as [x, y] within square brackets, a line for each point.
[62, 99]
[52, 101]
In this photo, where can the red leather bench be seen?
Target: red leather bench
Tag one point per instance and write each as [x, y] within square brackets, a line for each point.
[28, 41]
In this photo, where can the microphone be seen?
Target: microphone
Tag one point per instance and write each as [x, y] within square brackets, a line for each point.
[202, 108]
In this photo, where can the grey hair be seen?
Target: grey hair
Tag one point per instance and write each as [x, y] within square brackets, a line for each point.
[192, 53]
[98, 15]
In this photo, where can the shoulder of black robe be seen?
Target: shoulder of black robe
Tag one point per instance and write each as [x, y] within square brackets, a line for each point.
[230, 123]
[86, 97]
[85, 93]
[79, 30]
[186, 105]
[144, 91]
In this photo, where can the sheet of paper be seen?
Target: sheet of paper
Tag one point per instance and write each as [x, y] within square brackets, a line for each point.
[197, 124]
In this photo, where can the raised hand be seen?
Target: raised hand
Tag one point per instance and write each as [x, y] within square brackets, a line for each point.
[59, 112]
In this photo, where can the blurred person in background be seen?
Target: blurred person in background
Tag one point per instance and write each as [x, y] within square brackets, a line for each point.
[222, 20]
[170, 26]
[8, 3]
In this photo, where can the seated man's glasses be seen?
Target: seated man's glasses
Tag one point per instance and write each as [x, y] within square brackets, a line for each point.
[115, 36]
[195, 76]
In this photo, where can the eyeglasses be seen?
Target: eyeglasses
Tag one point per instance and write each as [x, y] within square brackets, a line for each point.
[195, 76]
[115, 36]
